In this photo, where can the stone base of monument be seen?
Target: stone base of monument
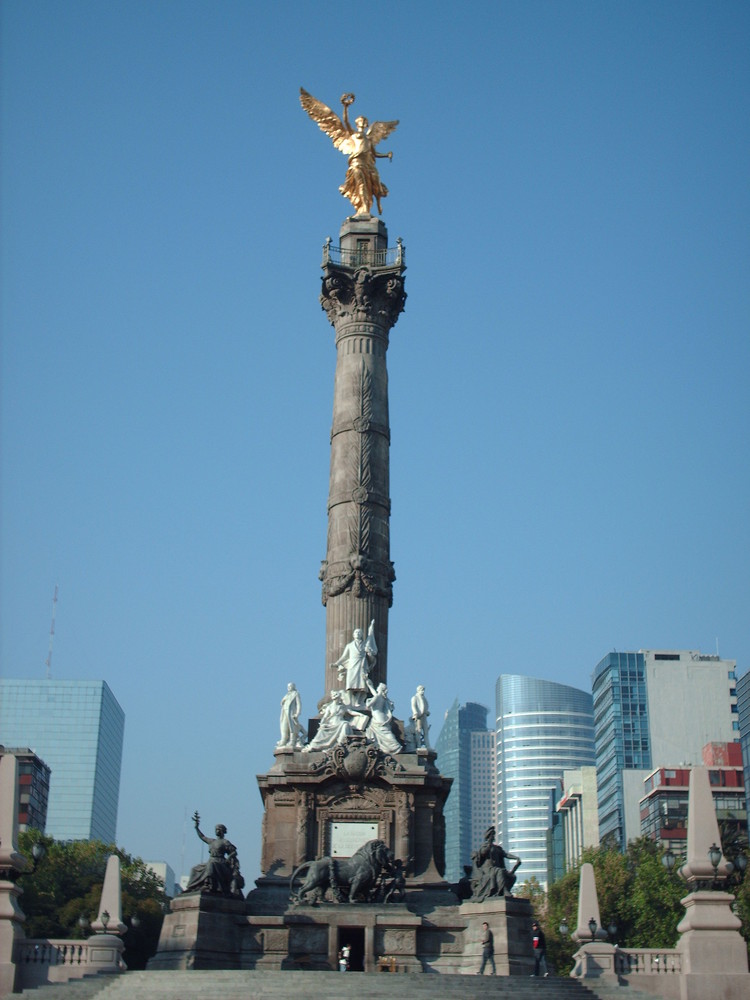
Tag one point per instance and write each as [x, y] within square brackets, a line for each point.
[417, 935]
[510, 920]
[202, 932]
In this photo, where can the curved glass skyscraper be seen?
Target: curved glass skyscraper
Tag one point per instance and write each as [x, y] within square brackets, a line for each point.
[543, 728]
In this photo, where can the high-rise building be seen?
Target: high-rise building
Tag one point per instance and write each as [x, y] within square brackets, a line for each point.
[466, 753]
[654, 706]
[555, 838]
[743, 724]
[664, 805]
[578, 807]
[33, 788]
[543, 728]
[77, 728]
[166, 873]
[483, 793]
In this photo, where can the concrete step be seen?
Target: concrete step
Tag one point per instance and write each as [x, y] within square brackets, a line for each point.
[294, 985]
[614, 992]
[74, 989]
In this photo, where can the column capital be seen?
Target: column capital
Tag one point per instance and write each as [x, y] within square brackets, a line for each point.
[353, 296]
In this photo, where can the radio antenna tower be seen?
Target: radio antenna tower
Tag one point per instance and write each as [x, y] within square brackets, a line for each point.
[48, 661]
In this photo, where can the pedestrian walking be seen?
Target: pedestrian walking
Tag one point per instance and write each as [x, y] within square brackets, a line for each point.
[488, 950]
[540, 950]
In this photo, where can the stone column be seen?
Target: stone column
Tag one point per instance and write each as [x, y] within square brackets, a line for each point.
[12, 864]
[363, 295]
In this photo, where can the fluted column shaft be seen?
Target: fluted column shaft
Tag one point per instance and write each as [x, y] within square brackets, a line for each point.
[363, 296]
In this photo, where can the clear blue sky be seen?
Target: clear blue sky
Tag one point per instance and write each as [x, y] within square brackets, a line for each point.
[568, 385]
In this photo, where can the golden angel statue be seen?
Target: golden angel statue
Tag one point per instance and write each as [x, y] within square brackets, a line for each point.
[362, 182]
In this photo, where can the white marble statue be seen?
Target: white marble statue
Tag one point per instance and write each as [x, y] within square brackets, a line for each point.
[293, 732]
[335, 725]
[379, 728]
[357, 660]
[420, 709]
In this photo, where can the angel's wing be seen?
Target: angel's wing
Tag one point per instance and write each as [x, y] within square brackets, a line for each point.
[328, 121]
[380, 130]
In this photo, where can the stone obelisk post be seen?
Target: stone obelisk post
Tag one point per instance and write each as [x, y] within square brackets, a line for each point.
[363, 295]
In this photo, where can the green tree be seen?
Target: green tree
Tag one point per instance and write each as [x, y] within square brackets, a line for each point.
[733, 843]
[636, 894]
[533, 890]
[653, 898]
[68, 884]
[742, 908]
[562, 909]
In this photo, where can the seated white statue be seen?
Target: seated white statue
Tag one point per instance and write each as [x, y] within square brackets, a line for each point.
[379, 729]
[335, 725]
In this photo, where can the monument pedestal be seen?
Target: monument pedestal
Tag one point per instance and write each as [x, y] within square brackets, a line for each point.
[203, 932]
[510, 919]
[354, 791]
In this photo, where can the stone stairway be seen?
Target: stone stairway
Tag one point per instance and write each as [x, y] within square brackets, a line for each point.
[293, 985]
[74, 989]
[611, 991]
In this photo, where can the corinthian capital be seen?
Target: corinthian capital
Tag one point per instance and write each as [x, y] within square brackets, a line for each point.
[363, 294]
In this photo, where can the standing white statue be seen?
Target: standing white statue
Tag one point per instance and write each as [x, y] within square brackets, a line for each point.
[292, 731]
[357, 660]
[420, 709]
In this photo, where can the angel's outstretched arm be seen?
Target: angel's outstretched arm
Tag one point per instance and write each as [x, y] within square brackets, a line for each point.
[346, 100]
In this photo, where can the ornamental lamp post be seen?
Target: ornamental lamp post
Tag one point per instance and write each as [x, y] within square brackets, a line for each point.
[668, 860]
[714, 856]
[37, 852]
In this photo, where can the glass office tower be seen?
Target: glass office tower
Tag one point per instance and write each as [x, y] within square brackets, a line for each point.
[77, 728]
[655, 708]
[622, 736]
[468, 761]
[543, 728]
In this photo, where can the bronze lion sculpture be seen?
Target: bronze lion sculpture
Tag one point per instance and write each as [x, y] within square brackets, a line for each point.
[353, 878]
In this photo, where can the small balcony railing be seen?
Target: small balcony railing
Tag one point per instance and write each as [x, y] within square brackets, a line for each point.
[392, 257]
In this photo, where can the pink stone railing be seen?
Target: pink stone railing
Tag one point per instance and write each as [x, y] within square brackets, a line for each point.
[46, 960]
[44, 951]
[647, 961]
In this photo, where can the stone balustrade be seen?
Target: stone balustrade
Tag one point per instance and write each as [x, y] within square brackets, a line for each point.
[45, 951]
[49, 960]
[647, 961]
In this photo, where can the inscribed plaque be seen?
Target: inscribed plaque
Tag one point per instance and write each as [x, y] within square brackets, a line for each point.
[347, 838]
